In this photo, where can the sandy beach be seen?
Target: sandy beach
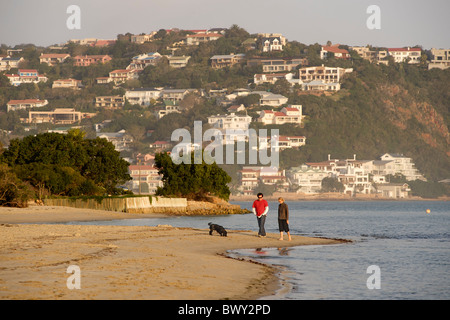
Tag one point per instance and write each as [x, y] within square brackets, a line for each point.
[128, 262]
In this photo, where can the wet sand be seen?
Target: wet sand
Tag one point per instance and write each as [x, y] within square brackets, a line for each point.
[128, 262]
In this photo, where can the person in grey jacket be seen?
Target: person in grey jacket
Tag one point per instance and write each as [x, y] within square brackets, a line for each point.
[283, 218]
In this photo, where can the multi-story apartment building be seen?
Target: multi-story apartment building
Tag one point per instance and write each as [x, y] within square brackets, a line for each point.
[307, 178]
[230, 121]
[67, 84]
[144, 174]
[226, 60]
[7, 63]
[122, 75]
[403, 165]
[277, 64]
[325, 74]
[440, 58]
[57, 116]
[110, 102]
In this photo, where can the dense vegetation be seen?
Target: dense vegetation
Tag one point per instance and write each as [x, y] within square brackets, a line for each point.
[190, 180]
[69, 165]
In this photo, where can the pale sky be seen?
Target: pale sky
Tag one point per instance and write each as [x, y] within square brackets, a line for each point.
[403, 22]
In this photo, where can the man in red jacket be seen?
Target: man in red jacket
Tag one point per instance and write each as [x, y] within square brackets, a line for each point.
[260, 209]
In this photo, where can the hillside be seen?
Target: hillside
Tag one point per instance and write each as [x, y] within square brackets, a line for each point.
[398, 108]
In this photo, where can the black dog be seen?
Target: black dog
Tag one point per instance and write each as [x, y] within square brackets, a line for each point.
[221, 230]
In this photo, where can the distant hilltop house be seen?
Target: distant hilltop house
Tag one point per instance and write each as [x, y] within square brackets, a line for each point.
[197, 38]
[7, 63]
[92, 42]
[53, 59]
[412, 55]
[26, 76]
[440, 58]
[14, 105]
[142, 38]
[87, 60]
[335, 50]
[272, 41]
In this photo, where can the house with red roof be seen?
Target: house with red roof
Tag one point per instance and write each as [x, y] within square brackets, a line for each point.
[87, 60]
[290, 114]
[14, 105]
[335, 50]
[26, 76]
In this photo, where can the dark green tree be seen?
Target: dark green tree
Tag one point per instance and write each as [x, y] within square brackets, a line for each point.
[332, 185]
[67, 164]
[194, 181]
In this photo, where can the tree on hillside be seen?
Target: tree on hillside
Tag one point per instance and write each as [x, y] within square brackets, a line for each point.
[194, 181]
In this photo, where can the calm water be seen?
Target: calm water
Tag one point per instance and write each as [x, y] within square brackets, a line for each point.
[410, 247]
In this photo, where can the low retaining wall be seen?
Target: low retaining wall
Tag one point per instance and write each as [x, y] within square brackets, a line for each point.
[129, 205]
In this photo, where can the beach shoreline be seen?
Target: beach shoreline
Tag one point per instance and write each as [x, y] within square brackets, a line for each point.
[330, 196]
[128, 262]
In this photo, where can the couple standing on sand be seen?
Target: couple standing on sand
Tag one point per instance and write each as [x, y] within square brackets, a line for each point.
[260, 209]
